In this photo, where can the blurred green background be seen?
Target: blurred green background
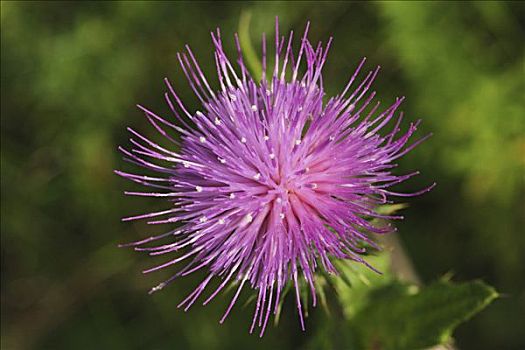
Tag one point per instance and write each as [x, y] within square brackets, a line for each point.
[71, 73]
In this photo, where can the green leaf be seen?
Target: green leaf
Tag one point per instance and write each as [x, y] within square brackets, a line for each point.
[381, 312]
[355, 280]
[401, 316]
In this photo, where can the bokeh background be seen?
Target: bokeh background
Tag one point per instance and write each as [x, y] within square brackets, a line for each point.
[71, 73]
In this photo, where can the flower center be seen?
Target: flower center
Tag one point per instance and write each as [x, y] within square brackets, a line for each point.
[287, 186]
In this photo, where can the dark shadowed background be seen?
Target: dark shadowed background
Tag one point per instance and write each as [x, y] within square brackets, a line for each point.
[71, 74]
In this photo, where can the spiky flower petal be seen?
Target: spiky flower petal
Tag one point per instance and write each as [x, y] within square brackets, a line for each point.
[269, 181]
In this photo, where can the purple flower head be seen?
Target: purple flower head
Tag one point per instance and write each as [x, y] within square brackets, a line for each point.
[268, 182]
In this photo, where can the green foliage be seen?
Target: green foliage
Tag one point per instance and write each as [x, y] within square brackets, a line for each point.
[383, 313]
[355, 282]
[485, 133]
[402, 316]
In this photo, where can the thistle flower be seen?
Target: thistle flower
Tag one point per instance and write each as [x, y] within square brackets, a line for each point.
[268, 182]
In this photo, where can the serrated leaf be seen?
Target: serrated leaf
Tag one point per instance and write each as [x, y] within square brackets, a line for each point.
[401, 316]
